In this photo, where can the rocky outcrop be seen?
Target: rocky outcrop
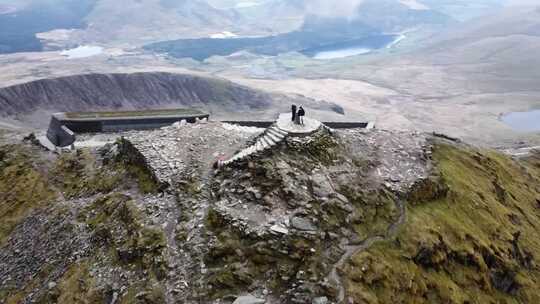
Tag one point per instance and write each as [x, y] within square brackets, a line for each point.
[281, 220]
[334, 217]
[124, 152]
[427, 190]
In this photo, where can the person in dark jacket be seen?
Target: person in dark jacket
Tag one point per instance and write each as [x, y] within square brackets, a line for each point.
[301, 114]
[293, 109]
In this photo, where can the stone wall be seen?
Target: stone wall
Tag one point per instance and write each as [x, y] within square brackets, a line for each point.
[346, 125]
[147, 123]
[59, 134]
[267, 124]
[250, 123]
[64, 137]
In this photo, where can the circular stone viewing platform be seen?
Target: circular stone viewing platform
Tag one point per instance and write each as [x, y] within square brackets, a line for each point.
[285, 123]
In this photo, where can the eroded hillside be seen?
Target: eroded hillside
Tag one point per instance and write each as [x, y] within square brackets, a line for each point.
[339, 216]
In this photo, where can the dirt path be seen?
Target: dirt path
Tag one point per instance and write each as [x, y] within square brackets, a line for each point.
[355, 248]
[173, 214]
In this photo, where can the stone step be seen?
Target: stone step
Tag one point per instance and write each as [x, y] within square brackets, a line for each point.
[257, 146]
[269, 140]
[277, 129]
[275, 133]
[274, 138]
[244, 153]
[264, 144]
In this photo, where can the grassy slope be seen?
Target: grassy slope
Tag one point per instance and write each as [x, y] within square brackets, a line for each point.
[23, 186]
[462, 247]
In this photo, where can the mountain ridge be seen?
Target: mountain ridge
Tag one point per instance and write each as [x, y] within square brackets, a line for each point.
[142, 90]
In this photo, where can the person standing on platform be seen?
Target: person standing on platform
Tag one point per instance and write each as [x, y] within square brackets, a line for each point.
[293, 109]
[301, 114]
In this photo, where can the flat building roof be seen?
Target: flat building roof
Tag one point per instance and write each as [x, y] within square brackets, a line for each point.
[119, 115]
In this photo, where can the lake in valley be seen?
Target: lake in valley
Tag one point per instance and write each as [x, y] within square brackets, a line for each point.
[523, 121]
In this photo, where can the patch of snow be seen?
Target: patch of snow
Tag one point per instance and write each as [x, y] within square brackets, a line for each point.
[223, 35]
[341, 53]
[414, 4]
[82, 52]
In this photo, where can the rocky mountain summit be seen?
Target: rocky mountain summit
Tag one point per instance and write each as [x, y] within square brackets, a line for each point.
[333, 216]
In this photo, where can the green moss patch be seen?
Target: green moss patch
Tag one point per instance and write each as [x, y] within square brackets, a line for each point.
[80, 174]
[76, 286]
[24, 186]
[117, 222]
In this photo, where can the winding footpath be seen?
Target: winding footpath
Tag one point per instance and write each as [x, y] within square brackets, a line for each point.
[352, 248]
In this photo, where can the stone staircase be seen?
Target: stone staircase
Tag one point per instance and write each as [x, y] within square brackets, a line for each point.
[270, 138]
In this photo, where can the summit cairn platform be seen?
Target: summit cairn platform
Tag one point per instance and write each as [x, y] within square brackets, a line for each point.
[274, 135]
[285, 123]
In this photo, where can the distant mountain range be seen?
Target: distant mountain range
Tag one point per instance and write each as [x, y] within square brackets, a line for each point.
[136, 23]
[504, 47]
[373, 18]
